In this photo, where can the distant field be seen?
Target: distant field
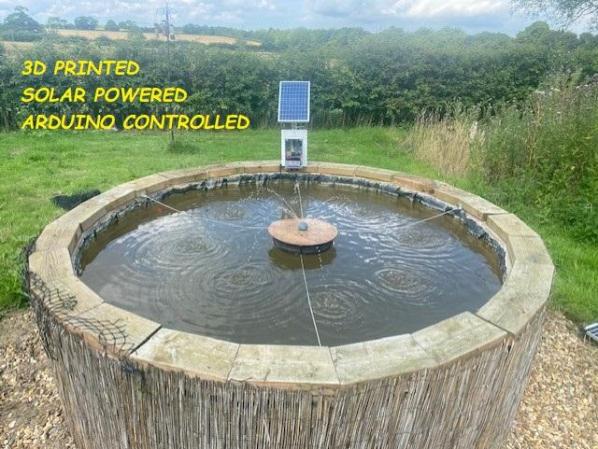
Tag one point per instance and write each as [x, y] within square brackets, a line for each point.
[12, 47]
[123, 35]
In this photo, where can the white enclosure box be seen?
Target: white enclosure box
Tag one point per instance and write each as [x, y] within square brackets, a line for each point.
[293, 148]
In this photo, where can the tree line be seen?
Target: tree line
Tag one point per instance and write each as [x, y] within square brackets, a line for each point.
[19, 26]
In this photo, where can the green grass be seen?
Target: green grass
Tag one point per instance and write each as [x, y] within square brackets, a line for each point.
[576, 282]
[576, 262]
[38, 165]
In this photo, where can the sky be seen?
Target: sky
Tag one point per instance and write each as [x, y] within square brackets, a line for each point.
[472, 16]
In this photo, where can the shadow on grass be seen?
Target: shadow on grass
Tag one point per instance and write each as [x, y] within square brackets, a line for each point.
[183, 147]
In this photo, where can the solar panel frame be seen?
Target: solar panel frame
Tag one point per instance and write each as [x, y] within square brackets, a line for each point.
[294, 110]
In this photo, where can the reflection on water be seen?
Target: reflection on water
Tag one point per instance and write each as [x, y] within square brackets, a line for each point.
[213, 270]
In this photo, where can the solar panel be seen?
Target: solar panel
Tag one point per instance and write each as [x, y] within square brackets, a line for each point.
[293, 101]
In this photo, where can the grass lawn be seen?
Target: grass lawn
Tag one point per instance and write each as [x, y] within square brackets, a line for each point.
[35, 166]
[38, 165]
[576, 281]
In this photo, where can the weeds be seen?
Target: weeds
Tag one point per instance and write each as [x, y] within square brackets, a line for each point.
[542, 154]
[446, 142]
[545, 154]
[539, 160]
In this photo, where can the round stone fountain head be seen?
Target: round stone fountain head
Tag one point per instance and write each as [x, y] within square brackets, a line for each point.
[305, 236]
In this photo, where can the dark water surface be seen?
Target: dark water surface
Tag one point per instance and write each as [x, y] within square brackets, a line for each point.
[213, 269]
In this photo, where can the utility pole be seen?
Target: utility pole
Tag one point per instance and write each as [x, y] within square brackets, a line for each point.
[166, 30]
[167, 20]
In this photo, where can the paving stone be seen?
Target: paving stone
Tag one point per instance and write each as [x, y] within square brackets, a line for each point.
[525, 291]
[509, 225]
[113, 329]
[52, 264]
[381, 358]
[196, 355]
[457, 336]
[284, 366]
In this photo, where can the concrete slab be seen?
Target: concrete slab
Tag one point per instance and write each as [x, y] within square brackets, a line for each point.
[112, 329]
[288, 367]
[524, 293]
[509, 225]
[52, 264]
[377, 359]
[196, 355]
[458, 336]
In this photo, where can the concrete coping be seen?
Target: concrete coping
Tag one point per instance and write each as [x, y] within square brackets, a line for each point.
[120, 333]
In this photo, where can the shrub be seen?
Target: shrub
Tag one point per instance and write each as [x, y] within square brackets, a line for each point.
[545, 153]
[540, 155]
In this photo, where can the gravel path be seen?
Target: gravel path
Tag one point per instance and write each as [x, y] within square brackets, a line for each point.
[559, 410]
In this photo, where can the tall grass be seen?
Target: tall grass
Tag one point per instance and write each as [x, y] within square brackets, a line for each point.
[539, 160]
[446, 141]
[545, 154]
[542, 154]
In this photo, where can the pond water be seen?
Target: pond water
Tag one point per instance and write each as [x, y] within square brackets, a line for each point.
[213, 269]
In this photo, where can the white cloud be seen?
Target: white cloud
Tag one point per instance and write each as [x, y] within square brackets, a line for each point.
[473, 15]
[439, 8]
[408, 8]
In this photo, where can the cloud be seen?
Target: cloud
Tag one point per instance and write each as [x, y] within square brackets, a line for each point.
[450, 8]
[335, 8]
[411, 13]
[472, 15]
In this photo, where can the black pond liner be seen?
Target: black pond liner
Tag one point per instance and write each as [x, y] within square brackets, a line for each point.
[265, 179]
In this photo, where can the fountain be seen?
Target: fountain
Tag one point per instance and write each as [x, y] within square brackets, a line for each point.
[405, 315]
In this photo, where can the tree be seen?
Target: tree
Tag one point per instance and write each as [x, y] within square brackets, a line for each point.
[111, 26]
[128, 25]
[86, 23]
[567, 11]
[135, 35]
[19, 26]
[55, 23]
[20, 20]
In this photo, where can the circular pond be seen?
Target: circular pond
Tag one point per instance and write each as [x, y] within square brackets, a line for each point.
[172, 320]
[397, 266]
